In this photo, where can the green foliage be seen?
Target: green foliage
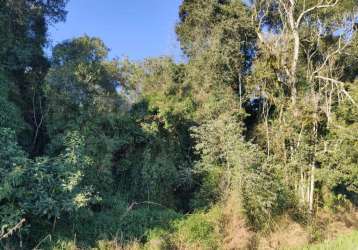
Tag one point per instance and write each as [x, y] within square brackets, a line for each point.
[197, 231]
[200, 21]
[347, 242]
[13, 166]
[80, 87]
[45, 189]
[10, 115]
[219, 143]
[265, 196]
[159, 166]
[340, 156]
[119, 223]
[210, 190]
[55, 186]
[118, 151]
[80, 84]
[23, 25]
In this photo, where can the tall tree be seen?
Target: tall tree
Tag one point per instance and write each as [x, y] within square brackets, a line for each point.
[298, 62]
[24, 26]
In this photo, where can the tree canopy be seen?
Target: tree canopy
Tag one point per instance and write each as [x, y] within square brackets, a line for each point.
[259, 124]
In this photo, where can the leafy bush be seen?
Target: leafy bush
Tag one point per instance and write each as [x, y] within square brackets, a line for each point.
[197, 231]
[13, 179]
[117, 220]
[44, 189]
[265, 196]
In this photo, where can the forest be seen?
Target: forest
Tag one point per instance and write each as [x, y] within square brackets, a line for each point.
[250, 143]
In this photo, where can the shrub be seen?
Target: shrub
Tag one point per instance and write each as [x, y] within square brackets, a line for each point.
[265, 196]
[197, 231]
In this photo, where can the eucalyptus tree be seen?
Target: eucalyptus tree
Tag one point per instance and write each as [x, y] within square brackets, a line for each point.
[299, 71]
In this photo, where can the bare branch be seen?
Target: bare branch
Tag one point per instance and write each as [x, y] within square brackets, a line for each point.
[340, 85]
[12, 230]
[318, 6]
[337, 51]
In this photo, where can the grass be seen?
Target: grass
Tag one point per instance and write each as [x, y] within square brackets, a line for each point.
[346, 242]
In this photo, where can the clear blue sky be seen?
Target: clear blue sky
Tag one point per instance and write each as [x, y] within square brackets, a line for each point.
[133, 28]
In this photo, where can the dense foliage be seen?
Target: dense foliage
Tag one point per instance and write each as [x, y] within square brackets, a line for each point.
[260, 123]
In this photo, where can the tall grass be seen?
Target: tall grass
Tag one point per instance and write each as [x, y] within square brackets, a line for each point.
[346, 242]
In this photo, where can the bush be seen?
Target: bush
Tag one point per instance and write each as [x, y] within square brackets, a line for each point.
[265, 196]
[197, 231]
[117, 220]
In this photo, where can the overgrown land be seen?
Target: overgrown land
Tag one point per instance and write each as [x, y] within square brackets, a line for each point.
[252, 143]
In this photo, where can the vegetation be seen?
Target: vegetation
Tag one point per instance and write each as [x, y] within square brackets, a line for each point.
[257, 127]
[344, 242]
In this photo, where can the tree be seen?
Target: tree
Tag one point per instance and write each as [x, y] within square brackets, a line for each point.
[219, 40]
[79, 85]
[298, 60]
[24, 25]
[81, 96]
[163, 108]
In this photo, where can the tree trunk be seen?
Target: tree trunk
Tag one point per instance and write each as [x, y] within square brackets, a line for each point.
[296, 49]
[312, 187]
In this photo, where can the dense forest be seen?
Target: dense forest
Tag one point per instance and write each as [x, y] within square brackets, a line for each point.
[251, 143]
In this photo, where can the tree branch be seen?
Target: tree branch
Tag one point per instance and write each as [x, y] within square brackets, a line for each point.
[337, 51]
[318, 6]
[12, 230]
[341, 87]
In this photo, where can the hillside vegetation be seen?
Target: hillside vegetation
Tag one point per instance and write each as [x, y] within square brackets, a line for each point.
[348, 242]
[252, 143]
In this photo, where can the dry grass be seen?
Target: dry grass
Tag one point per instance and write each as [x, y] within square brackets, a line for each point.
[343, 242]
[236, 234]
[114, 245]
[288, 234]
[334, 229]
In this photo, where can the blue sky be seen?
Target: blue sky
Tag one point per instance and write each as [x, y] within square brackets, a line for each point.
[135, 28]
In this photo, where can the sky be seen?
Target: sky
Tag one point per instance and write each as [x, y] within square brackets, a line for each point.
[136, 29]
